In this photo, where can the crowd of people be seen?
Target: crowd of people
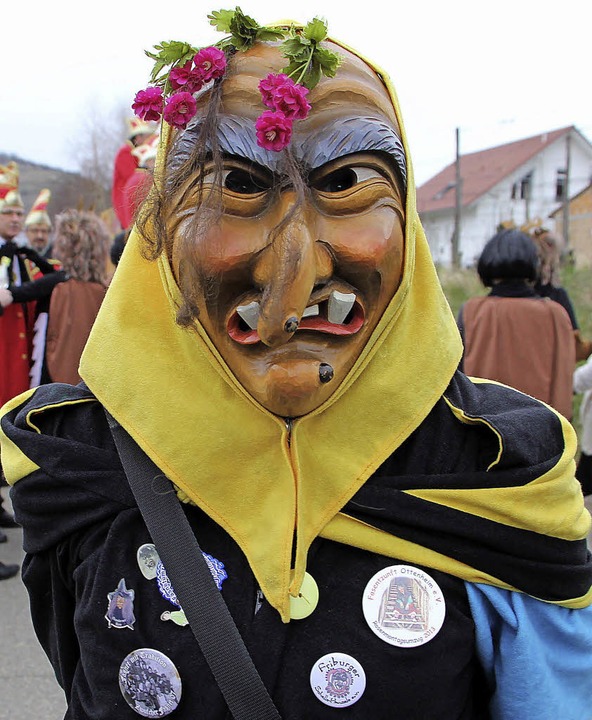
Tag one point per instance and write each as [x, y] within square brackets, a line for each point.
[274, 441]
[54, 275]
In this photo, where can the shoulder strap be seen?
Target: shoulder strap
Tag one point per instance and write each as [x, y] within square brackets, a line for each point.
[202, 602]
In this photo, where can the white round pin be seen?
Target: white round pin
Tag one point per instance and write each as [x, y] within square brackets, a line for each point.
[404, 606]
[338, 679]
[148, 558]
[150, 683]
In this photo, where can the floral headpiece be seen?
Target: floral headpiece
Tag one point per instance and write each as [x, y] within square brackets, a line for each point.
[181, 70]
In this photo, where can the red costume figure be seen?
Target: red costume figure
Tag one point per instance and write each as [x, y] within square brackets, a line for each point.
[138, 184]
[22, 285]
[16, 320]
[125, 164]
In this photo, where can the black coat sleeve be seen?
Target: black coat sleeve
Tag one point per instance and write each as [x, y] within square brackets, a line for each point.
[37, 289]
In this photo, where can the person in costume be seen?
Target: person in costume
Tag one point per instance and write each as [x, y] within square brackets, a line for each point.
[138, 184]
[125, 163]
[38, 225]
[25, 278]
[513, 335]
[81, 245]
[19, 266]
[276, 340]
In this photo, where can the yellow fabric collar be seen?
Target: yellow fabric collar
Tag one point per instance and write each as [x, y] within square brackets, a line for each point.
[176, 397]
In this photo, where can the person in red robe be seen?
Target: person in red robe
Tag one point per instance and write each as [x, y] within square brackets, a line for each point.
[16, 320]
[19, 267]
[138, 184]
[125, 164]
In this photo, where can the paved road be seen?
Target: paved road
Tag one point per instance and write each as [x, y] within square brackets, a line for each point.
[28, 689]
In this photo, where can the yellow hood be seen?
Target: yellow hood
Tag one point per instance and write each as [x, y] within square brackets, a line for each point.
[178, 399]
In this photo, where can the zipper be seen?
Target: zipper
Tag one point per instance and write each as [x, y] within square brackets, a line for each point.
[289, 423]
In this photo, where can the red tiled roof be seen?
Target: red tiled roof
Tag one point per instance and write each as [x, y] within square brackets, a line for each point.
[480, 171]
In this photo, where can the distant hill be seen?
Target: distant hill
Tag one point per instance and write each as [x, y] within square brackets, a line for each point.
[68, 189]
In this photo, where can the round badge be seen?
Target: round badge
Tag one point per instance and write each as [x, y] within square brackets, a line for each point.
[148, 558]
[308, 597]
[404, 606]
[338, 680]
[150, 683]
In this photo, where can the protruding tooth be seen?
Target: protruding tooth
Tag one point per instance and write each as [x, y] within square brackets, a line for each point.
[340, 305]
[311, 311]
[249, 313]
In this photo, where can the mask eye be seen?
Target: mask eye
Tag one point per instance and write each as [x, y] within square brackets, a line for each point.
[246, 188]
[244, 182]
[345, 178]
[242, 179]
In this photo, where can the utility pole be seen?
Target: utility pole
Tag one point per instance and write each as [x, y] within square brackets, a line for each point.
[566, 190]
[458, 205]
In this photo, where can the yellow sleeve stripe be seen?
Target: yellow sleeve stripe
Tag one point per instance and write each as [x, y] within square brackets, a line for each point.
[15, 463]
[350, 531]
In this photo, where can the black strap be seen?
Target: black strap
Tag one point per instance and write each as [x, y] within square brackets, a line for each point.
[195, 588]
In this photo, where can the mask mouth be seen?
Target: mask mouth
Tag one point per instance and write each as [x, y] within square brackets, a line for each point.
[339, 314]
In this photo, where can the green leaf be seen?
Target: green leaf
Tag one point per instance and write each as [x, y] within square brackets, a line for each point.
[294, 69]
[328, 61]
[225, 43]
[221, 20]
[312, 76]
[158, 66]
[172, 52]
[168, 54]
[266, 34]
[295, 48]
[315, 30]
[244, 30]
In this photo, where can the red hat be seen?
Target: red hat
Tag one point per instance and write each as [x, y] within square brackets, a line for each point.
[138, 127]
[38, 213]
[9, 180]
[147, 150]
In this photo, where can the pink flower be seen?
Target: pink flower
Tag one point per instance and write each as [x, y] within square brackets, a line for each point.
[291, 100]
[274, 130]
[210, 63]
[147, 104]
[270, 84]
[179, 109]
[185, 78]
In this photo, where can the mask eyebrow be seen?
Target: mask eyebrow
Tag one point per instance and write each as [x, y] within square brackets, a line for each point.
[236, 136]
[351, 135]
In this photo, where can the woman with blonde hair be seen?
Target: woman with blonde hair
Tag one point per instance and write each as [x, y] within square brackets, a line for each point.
[81, 244]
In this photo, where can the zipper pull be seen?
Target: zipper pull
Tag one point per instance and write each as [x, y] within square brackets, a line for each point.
[258, 601]
[289, 422]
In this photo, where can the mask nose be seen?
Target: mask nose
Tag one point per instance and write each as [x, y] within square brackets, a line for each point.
[287, 271]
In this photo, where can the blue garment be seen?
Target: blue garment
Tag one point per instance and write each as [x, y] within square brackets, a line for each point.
[537, 656]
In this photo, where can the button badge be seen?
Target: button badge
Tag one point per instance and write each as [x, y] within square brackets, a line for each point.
[338, 680]
[404, 606]
[150, 683]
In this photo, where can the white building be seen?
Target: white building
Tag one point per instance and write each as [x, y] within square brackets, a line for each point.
[518, 183]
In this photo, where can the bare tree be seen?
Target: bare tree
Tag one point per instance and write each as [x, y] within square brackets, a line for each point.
[94, 152]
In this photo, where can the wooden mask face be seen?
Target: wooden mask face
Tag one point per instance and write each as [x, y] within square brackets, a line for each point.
[290, 283]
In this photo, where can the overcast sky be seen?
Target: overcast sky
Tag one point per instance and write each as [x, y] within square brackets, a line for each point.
[499, 71]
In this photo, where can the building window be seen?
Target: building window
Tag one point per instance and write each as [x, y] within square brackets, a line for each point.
[561, 185]
[525, 186]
